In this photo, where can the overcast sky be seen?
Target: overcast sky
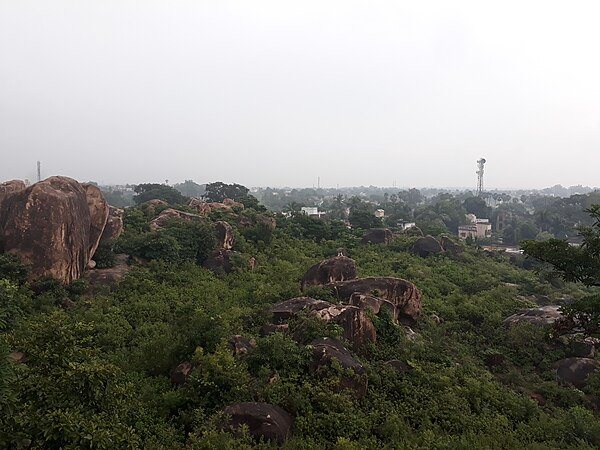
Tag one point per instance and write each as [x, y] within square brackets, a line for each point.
[280, 92]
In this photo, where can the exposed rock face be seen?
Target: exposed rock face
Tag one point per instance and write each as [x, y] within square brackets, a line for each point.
[8, 187]
[18, 357]
[270, 329]
[181, 373]
[357, 327]
[49, 226]
[377, 236]
[110, 276]
[339, 268]
[288, 309]
[584, 349]
[450, 246]
[377, 304]
[99, 210]
[114, 224]
[240, 345]
[325, 350]
[219, 262]
[224, 234]
[576, 370]
[401, 293]
[263, 420]
[544, 316]
[200, 206]
[427, 246]
[169, 214]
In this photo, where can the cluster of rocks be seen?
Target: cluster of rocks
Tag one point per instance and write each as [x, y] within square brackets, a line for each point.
[205, 208]
[575, 369]
[56, 225]
[399, 297]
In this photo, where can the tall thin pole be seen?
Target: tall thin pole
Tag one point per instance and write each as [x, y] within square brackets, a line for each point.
[39, 171]
[479, 172]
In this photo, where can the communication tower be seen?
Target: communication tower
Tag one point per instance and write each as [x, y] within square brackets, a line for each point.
[39, 171]
[479, 173]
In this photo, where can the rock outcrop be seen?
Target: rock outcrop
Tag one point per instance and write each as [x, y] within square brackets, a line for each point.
[224, 234]
[114, 225]
[205, 208]
[376, 304]
[263, 420]
[241, 345]
[181, 373]
[354, 376]
[427, 246]
[544, 316]
[404, 295]
[357, 327]
[50, 227]
[169, 214]
[247, 220]
[9, 187]
[339, 268]
[378, 236]
[151, 205]
[219, 262]
[576, 370]
[450, 246]
[99, 210]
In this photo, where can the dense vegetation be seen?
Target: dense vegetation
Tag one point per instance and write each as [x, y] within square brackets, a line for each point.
[97, 367]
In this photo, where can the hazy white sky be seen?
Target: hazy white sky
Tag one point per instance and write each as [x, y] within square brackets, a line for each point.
[280, 92]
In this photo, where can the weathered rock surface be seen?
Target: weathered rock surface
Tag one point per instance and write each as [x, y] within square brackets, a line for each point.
[151, 205]
[241, 345]
[544, 316]
[576, 370]
[205, 208]
[377, 304]
[263, 420]
[325, 350]
[181, 373]
[9, 187]
[168, 214]
[288, 309]
[584, 349]
[378, 236]
[450, 246]
[339, 268]
[401, 293]
[224, 234]
[49, 226]
[114, 224]
[99, 210]
[427, 246]
[109, 277]
[18, 357]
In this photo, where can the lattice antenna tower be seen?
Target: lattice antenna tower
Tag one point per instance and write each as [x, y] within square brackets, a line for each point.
[479, 173]
[39, 171]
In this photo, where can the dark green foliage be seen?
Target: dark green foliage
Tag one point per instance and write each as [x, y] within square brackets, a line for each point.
[12, 269]
[219, 191]
[362, 218]
[150, 191]
[104, 256]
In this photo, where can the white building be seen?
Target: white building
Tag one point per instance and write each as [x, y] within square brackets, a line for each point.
[405, 225]
[312, 211]
[476, 229]
[380, 213]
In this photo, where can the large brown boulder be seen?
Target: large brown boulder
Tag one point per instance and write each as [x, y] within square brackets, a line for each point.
[248, 220]
[8, 187]
[99, 211]
[181, 373]
[377, 236]
[151, 205]
[576, 370]
[427, 246]
[401, 293]
[200, 205]
[354, 376]
[49, 226]
[450, 246]
[114, 224]
[168, 214]
[263, 420]
[339, 268]
[288, 309]
[219, 262]
[224, 234]
[376, 304]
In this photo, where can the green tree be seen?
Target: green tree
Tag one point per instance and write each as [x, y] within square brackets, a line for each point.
[150, 191]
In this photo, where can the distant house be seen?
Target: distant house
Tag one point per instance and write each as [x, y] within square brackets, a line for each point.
[477, 229]
[312, 211]
[405, 225]
[380, 213]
